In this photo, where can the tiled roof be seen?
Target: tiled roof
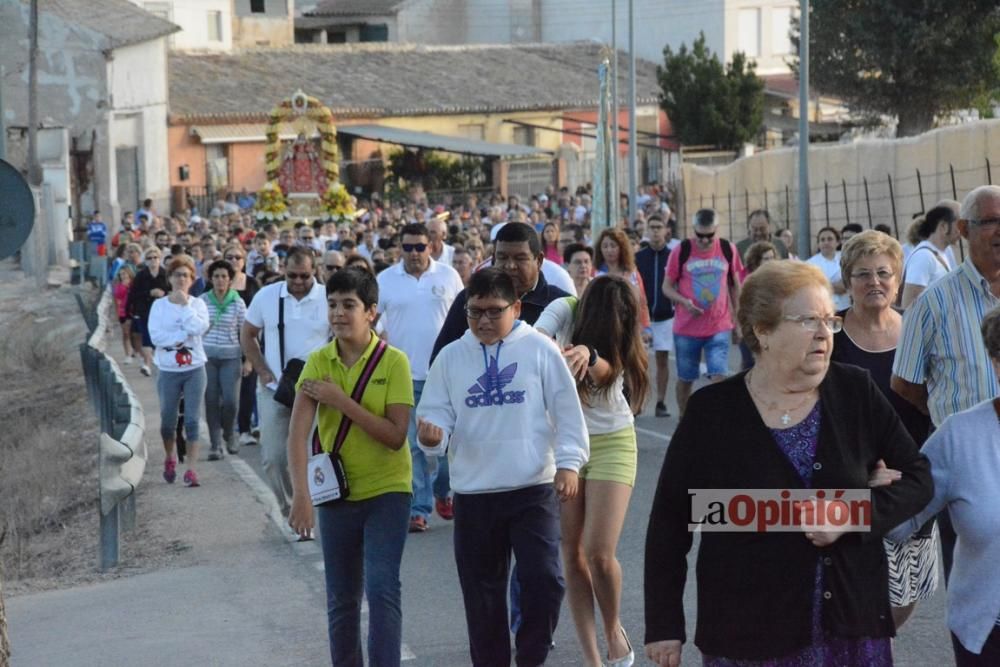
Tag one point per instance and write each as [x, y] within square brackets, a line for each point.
[382, 79]
[356, 8]
[119, 20]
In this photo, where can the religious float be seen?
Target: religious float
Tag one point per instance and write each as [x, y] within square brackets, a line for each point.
[303, 182]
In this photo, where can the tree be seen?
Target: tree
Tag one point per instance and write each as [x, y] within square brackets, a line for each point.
[708, 103]
[913, 59]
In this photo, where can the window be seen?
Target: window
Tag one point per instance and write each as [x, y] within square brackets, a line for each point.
[749, 35]
[374, 33]
[781, 25]
[474, 131]
[215, 26]
[257, 7]
[524, 136]
[336, 38]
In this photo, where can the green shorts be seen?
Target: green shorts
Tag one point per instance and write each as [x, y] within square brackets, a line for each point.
[613, 457]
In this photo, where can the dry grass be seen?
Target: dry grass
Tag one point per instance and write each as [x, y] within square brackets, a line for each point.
[48, 441]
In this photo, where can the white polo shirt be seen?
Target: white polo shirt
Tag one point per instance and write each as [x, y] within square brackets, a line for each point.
[414, 309]
[306, 325]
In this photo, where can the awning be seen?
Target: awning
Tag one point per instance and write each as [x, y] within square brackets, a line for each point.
[242, 133]
[255, 132]
[395, 135]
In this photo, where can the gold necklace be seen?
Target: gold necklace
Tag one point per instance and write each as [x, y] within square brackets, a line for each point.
[785, 417]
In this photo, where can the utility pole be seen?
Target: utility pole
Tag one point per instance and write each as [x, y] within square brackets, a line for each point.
[805, 233]
[614, 93]
[3, 123]
[34, 173]
[631, 116]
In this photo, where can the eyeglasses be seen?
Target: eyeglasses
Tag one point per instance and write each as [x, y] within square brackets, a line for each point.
[475, 314]
[988, 222]
[883, 275]
[410, 247]
[811, 322]
[705, 237]
[298, 276]
[333, 267]
[233, 258]
[504, 260]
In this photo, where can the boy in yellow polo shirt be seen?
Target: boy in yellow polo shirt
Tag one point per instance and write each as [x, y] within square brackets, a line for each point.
[363, 535]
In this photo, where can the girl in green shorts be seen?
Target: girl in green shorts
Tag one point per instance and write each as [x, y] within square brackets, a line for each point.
[602, 343]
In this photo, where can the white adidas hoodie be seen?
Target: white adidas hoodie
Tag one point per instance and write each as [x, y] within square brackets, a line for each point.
[510, 412]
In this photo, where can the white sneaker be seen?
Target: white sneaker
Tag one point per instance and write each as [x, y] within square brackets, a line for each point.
[246, 440]
[144, 369]
[128, 361]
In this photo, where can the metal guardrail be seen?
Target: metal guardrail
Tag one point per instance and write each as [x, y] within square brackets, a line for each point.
[122, 449]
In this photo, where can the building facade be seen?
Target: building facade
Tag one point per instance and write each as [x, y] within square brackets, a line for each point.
[103, 77]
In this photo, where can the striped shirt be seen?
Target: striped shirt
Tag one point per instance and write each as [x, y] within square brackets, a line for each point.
[941, 344]
[225, 330]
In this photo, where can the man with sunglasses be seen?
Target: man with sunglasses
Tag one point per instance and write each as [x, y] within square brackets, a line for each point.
[702, 279]
[303, 302]
[333, 261]
[414, 298]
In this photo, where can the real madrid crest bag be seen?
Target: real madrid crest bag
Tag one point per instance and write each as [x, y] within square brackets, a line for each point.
[327, 481]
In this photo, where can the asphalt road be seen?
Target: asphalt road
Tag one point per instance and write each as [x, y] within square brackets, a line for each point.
[434, 631]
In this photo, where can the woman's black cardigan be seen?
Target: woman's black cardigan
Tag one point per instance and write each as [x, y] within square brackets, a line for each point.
[755, 590]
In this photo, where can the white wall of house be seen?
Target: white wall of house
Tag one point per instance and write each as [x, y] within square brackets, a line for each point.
[207, 24]
[138, 116]
[760, 29]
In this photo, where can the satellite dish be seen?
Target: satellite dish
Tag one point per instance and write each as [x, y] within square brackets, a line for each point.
[17, 210]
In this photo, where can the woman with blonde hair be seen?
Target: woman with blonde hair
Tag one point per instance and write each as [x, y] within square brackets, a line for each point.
[871, 263]
[177, 323]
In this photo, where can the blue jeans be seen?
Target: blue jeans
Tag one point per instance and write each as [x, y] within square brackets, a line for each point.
[223, 382]
[363, 545]
[171, 386]
[688, 349]
[430, 473]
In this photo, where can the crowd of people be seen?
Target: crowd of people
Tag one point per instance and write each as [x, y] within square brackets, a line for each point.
[484, 360]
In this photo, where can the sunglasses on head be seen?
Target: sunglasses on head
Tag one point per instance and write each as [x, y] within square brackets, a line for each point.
[706, 237]
[410, 247]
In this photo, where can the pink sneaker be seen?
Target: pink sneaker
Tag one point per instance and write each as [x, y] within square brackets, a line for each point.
[170, 470]
[191, 478]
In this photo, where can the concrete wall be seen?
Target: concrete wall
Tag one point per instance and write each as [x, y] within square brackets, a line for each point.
[253, 31]
[965, 148]
[434, 22]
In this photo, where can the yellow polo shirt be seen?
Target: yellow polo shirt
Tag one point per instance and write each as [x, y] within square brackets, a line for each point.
[372, 469]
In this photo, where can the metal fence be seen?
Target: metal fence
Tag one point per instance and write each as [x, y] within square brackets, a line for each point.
[122, 450]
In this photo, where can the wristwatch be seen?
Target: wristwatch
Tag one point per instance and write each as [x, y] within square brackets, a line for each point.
[593, 357]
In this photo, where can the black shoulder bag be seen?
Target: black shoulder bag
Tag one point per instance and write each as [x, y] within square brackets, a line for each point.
[285, 393]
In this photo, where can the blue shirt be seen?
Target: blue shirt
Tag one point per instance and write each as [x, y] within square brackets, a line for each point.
[941, 345]
[965, 463]
[97, 232]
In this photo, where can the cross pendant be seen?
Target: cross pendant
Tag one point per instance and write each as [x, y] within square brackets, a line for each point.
[785, 419]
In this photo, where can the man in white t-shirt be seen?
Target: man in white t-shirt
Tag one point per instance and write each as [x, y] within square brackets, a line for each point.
[299, 304]
[929, 260]
[414, 297]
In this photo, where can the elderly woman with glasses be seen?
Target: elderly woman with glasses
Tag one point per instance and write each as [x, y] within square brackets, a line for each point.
[808, 593]
[871, 263]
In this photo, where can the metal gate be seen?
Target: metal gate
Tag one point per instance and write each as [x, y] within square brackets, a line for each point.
[528, 177]
[127, 176]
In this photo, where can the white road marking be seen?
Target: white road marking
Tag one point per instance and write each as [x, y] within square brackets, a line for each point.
[653, 434]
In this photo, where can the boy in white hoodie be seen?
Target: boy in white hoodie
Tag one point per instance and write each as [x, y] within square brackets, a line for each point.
[503, 404]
